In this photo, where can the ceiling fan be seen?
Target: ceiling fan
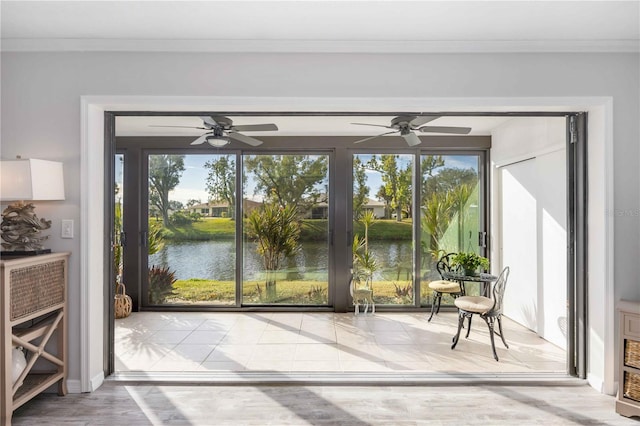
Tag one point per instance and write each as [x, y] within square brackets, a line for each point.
[407, 125]
[222, 130]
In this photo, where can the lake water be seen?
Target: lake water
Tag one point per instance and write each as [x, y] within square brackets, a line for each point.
[216, 259]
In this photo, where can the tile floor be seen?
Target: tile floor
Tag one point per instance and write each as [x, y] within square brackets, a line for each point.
[323, 342]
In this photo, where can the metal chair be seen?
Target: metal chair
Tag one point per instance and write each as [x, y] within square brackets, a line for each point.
[489, 309]
[442, 286]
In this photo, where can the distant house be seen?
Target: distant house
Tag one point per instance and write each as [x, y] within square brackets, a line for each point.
[377, 207]
[220, 208]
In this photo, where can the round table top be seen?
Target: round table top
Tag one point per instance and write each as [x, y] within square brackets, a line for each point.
[482, 277]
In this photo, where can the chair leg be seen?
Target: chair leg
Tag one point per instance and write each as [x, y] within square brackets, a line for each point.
[489, 322]
[501, 333]
[439, 303]
[460, 322]
[468, 326]
[436, 296]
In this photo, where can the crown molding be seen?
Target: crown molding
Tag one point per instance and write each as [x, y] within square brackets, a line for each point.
[319, 46]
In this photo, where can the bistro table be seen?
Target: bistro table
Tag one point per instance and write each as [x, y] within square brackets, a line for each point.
[483, 278]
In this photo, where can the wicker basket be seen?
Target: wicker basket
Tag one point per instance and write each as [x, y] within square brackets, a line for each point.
[632, 386]
[122, 303]
[36, 287]
[632, 353]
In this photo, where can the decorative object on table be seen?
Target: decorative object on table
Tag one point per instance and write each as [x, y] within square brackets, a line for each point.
[361, 295]
[122, 303]
[489, 309]
[469, 262]
[18, 364]
[443, 286]
[27, 180]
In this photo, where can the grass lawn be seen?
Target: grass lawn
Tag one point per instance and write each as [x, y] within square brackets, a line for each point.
[312, 230]
[289, 292]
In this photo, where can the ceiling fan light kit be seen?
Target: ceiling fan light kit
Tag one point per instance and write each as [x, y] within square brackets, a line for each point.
[217, 141]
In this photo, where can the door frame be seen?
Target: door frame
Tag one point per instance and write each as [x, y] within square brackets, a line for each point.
[93, 150]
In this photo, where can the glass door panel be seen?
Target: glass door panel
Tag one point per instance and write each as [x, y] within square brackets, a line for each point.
[118, 225]
[191, 229]
[450, 213]
[286, 229]
[383, 226]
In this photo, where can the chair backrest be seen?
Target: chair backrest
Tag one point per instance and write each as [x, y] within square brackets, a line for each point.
[444, 264]
[498, 290]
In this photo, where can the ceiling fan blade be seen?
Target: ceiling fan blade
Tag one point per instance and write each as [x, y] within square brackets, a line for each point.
[446, 129]
[183, 127]
[412, 139]
[423, 119]
[216, 121]
[202, 139]
[255, 128]
[374, 137]
[376, 125]
[244, 138]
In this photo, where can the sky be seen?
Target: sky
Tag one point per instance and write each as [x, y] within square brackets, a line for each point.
[194, 178]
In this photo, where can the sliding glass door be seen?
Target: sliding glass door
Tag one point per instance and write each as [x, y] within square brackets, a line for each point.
[194, 212]
[451, 213]
[191, 230]
[382, 245]
[286, 229]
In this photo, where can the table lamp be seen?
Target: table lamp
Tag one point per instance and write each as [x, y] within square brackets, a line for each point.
[27, 180]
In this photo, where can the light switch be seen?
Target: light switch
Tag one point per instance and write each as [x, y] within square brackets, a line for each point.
[67, 228]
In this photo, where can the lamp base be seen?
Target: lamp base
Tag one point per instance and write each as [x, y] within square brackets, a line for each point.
[20, 253]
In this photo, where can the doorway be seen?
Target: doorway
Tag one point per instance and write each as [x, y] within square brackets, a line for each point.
[463, 233]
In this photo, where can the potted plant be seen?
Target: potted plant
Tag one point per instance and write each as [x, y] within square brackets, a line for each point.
[469, 262]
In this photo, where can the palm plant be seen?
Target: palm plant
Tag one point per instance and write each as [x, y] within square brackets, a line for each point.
[160, 284]
[276, 229]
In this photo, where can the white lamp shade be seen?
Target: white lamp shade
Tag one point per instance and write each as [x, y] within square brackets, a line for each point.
[31, 179]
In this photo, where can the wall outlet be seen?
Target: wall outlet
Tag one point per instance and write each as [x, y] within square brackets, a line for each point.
[67, 228]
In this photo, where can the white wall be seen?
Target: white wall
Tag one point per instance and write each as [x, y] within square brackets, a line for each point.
[40, 107]
[529, 221]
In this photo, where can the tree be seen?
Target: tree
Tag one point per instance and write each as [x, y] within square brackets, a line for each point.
[221, 181]
[176, 205]
[447, 179]
[368, 220]
[289, 179]
[193, 202]
[445, 192]
[436, 216]
[461, 195]
[165, 172]
[364, 263]
[396, 183]
[277, 232]
[360, 190]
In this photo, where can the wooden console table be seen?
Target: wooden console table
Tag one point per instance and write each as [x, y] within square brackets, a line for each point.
[628, 401]
[33, 299]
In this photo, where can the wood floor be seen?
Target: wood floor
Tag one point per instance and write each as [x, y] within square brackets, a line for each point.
[117, 404]
[325, 369]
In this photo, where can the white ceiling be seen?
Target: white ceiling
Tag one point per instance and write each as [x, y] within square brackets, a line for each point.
[294, 126]
[338, 25]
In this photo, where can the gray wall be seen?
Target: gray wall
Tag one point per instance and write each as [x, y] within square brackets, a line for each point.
[40, 109]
